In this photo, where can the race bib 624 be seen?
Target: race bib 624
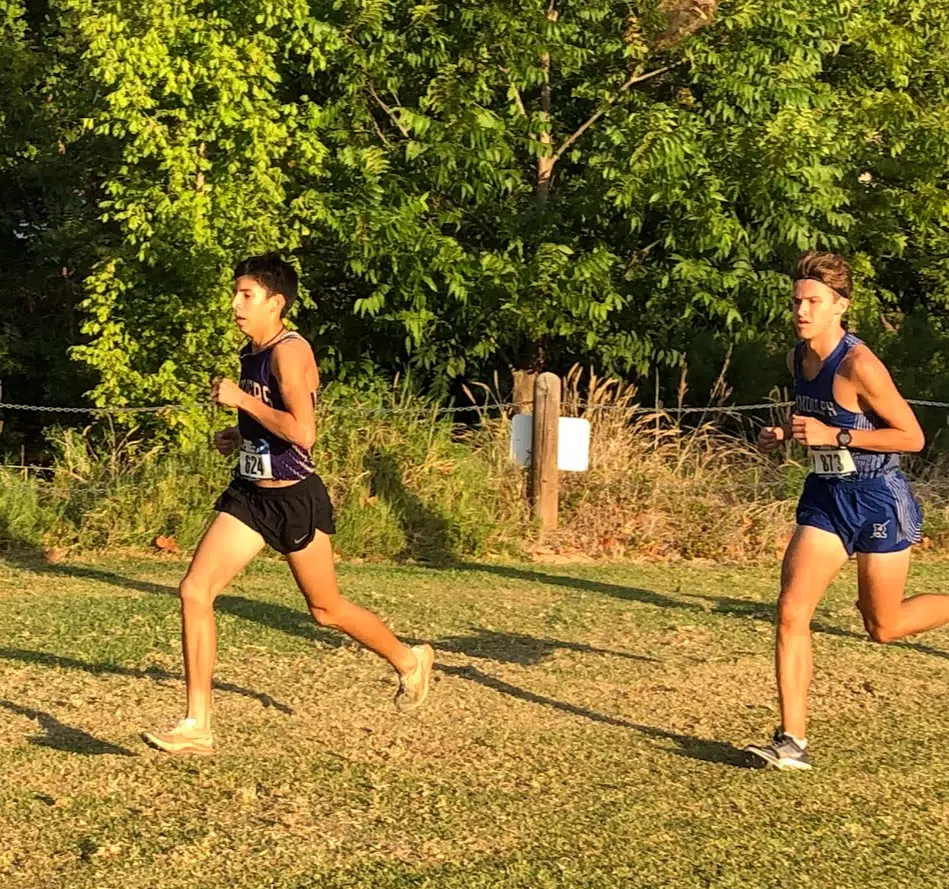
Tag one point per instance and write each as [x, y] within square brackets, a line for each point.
[255, 460]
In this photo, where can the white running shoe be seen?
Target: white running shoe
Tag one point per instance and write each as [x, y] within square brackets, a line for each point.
[413, 687]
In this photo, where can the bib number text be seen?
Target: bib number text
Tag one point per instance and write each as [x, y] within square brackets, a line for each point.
[255, 461]
[832, 461]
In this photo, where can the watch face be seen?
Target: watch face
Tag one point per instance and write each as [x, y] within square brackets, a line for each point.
[844, 438]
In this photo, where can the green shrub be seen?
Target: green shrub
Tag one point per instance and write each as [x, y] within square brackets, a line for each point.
[409, 483]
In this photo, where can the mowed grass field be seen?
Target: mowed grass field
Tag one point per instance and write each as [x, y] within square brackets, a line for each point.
[583, 731]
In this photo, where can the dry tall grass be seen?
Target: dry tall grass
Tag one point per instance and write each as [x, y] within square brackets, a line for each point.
[411, 483]
[659, 488]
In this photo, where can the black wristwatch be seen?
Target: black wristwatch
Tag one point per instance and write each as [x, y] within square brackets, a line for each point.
[844, 438]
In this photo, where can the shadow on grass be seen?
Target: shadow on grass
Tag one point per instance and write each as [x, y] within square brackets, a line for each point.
[297, 622]
[532, 575]
[510, 647]
[155, 674]
[502, 647]
[60, 736]
[754, 610]
[293, 621]
[520, 648]
[429, 536]
[688, 745]
[768, 612]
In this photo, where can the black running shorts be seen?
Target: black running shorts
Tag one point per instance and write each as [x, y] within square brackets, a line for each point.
[287, 518]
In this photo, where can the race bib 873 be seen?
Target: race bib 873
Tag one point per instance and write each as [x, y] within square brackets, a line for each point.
[255, 460]
[832, 461]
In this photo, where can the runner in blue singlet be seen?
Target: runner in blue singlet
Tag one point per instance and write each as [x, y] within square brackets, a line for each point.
[854, 423]
[276, 499]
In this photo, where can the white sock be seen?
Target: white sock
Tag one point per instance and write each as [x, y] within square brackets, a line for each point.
[801, 742]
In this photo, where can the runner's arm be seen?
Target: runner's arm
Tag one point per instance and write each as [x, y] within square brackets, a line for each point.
[297, 424]
[876, 387]
[227, 440]
[786, 425]
[771, 436]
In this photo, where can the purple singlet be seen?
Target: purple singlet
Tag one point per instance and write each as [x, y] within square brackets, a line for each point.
[264, 455]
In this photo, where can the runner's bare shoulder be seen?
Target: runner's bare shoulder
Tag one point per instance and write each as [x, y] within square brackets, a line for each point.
[859, 361]
[295, 354]
[295, 349]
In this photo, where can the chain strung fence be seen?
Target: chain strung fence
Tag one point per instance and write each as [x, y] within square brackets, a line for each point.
[463, 409]
[421, 411]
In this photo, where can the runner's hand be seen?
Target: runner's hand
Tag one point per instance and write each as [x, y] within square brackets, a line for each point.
[769, 438]
[227, 440]
[811, 432]
[227, 393]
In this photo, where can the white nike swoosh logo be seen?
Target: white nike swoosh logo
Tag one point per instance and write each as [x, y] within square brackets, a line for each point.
[300, 540]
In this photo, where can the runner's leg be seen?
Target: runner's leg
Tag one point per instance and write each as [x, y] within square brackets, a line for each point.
[226, 548]
[315, 574]
[813, 558]
[887, 615]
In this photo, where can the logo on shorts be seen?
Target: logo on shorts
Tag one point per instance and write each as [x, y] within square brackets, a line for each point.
[879, 531]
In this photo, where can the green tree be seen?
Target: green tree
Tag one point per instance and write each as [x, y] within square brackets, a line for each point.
[472, 184]
[48, 214]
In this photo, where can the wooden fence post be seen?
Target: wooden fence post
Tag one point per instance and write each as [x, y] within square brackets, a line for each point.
[544, 475]
[523, 396]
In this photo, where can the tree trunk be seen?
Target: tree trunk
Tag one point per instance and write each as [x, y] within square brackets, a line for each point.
[523, 396]
[545, 163]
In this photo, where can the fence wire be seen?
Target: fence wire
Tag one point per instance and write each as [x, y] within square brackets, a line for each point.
[436, 409]
[427, 412]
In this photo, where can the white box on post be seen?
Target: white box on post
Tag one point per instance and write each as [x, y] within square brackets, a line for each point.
[573, 442]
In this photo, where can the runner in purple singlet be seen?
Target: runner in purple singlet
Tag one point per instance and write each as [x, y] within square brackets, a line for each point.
[275, 499]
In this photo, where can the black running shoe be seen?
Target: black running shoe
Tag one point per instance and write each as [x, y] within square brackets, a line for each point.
[782, 753]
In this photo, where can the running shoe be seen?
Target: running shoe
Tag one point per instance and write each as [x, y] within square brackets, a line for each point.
[783, 753]
[413, 687]
[182, 739]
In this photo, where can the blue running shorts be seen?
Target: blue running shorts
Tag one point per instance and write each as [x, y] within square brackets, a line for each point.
[869, 515]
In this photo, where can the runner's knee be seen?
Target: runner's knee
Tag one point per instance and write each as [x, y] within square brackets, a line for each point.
[194, 594]
[794, 612]
[325, 616]
[880, 632]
